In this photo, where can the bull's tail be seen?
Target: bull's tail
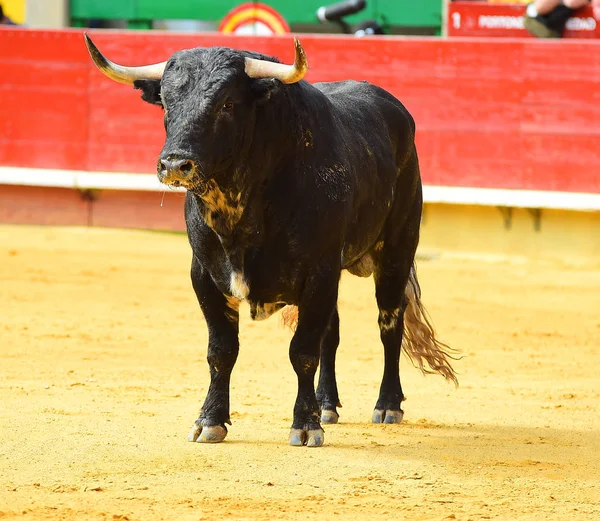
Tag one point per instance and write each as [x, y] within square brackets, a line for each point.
[289, 317]
[419, 341]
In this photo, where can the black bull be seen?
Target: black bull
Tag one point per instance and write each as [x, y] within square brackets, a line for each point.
[288, 184]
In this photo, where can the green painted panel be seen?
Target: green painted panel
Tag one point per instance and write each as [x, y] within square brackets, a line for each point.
[211, 10]
[295, 11]
[292, 10]
[423, 13]
[109, 9]
[420, 13]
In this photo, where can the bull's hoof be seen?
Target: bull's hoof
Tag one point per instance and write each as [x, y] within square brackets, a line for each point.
[381, 416]
[310, 438]
[328, 416]
[210, 434]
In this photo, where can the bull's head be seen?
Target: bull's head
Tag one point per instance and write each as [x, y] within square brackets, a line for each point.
[210, 97]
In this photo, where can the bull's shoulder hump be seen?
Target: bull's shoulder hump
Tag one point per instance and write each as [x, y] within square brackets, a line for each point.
[357, 91]
[350, 88]
[353, 97]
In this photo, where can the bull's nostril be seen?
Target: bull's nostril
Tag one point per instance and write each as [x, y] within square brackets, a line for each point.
[171, 170]
[187, 167]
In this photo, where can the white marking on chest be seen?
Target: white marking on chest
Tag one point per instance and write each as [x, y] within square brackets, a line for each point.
[238, 286]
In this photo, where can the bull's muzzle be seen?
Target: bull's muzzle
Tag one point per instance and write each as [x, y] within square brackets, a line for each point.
[177, 172]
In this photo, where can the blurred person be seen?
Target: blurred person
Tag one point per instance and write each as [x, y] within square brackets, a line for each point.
[368, 28]
[547, 18]
[5, 20]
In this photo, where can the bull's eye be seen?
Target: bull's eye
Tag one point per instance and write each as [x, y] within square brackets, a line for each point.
[227, 106]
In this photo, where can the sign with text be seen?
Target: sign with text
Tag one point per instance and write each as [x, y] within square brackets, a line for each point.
[487, 19]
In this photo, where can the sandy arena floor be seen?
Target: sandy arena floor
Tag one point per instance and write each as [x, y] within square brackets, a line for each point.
[103, 370]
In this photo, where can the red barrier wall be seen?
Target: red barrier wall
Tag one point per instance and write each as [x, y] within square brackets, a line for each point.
[490, 113]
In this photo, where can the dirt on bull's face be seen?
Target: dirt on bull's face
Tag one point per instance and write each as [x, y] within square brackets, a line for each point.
[222, 208]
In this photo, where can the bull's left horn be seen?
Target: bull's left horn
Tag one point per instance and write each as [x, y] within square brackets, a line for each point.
[284, 73]
[126, 75]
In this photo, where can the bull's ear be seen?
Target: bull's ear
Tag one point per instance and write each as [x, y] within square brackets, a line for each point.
[263, 89]
[150, 91]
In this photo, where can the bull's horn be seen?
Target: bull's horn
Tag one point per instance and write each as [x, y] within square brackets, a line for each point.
[126, 75]
[284, 73]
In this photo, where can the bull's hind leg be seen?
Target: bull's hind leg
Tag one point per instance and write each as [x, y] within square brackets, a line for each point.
[391, 325]
[391, 276]
[222, 318]
[327, 392]
[317, 304]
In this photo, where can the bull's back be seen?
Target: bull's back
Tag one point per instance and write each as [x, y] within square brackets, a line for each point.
[376, 133]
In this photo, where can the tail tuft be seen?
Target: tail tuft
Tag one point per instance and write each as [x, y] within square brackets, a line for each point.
[419, 342]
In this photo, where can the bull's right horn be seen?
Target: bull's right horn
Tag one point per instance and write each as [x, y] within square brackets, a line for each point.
[126, 75]
[284, 73]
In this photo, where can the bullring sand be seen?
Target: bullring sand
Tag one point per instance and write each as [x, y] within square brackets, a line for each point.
[103, 372]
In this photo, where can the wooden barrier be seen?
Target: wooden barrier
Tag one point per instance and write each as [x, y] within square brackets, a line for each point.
[491, 113]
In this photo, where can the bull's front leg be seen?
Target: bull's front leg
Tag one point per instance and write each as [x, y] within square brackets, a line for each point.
[317, 304]
[222, 317]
